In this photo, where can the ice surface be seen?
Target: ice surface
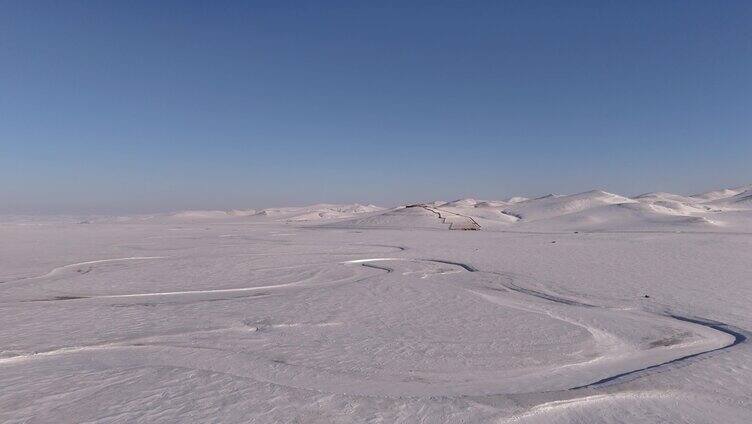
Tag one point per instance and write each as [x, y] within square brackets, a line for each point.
[592, 307]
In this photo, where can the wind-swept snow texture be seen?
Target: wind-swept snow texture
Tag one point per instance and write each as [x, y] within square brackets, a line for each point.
[387, 316]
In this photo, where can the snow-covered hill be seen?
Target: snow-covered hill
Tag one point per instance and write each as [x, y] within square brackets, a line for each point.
[594, 210]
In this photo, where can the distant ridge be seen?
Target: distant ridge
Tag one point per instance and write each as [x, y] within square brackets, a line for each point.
[594, 210]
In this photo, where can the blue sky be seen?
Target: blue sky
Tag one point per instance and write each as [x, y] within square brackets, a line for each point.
[117, 107]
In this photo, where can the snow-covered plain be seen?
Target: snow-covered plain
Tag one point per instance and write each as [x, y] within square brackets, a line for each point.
[591, 307]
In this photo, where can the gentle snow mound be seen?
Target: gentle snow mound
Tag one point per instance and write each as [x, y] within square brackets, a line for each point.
[552, 205]
[722, 194]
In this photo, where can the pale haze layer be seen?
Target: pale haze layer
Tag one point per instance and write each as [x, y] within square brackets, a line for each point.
[144, 107]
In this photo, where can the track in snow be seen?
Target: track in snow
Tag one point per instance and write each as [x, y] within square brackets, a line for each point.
[455, 220]
[739, 336]
[521, 298]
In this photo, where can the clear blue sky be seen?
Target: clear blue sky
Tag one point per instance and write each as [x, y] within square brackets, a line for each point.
[114, 107]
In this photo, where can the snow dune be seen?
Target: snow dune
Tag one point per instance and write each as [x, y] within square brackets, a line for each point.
[724, 193]
[553, 206]
[594, 210]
